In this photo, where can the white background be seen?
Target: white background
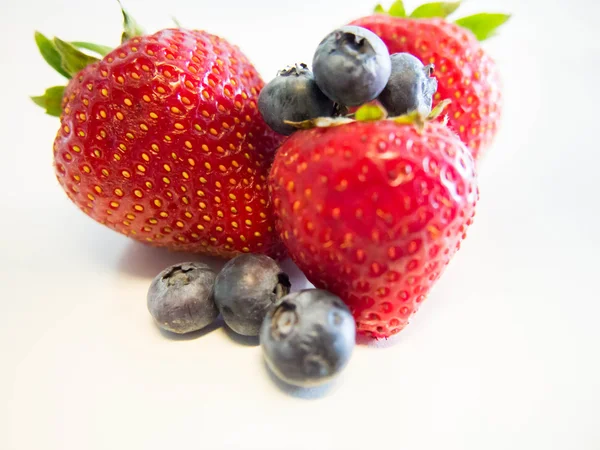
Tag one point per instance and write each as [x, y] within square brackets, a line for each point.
[503, 355]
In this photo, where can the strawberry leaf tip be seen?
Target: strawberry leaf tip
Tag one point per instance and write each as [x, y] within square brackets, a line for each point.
[438, 9]
[50, 53]
[101, 50]
[370, 112]
[412, 118]
[397, 9]
[64, 57]
[130, 26]
[176, 22]
[72, 60]
[320, 122]
[419, 120]
[483, 25]
[51, 100]
[439, 109]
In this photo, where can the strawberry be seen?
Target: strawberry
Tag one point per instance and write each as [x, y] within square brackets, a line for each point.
[465, 73]
[161, 140]
[373, 211]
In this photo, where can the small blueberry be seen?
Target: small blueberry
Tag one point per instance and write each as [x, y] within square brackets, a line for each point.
[293, 96]
[411, 86]
[307, 338]
[247, 286]
[180, 298]
[352, 65]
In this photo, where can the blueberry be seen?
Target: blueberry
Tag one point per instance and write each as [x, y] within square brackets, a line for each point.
[352, 65]
[246, 288]
[180, 298]
[293, 96]
[308, 337]
[411, 86]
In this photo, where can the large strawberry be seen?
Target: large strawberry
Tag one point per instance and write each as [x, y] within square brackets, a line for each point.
[162, 140]
[373, 211]
[465, 72]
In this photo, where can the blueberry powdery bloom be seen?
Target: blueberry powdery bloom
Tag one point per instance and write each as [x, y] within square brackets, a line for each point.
[293, 96]
[247, 286]
[352, 65]
[308, 337]
[410, 88]
[180, 298]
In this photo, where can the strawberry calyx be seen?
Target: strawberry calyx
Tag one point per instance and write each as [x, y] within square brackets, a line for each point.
[482, 25]
[374, 112]
[69, 58]
[130, 27]
[51, 100]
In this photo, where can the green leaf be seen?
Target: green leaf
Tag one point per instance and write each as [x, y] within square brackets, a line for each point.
[439, 109]
[50, 53]
[320, 122]
[130, 26]
[483, 25]
[397, 9]
[412, 118]
[101, 50]
[51, 101]
[370, 112]
[440, 9]
[176, 22]
[379, 9]
[73, 60]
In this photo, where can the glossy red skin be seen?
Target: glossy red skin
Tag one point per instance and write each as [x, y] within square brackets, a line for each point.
[373, 212]
[162, 141]
[466, 74]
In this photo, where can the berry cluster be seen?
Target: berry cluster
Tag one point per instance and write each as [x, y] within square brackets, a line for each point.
[307, 337]
[351, 67]
[174, 140]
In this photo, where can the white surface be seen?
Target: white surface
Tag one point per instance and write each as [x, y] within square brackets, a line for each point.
[504, 353]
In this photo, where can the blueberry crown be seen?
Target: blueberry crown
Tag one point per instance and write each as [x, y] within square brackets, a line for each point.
[297, 70]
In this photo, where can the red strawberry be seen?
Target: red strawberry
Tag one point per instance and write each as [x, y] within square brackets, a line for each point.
[162, 141]
[373, 212]
[465, 73]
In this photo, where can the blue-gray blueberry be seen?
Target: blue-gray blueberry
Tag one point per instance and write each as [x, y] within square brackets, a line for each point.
[411, 86]
[180, 298]
[245, 289]
[293, 96]
[352, 65]
[308, 337]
